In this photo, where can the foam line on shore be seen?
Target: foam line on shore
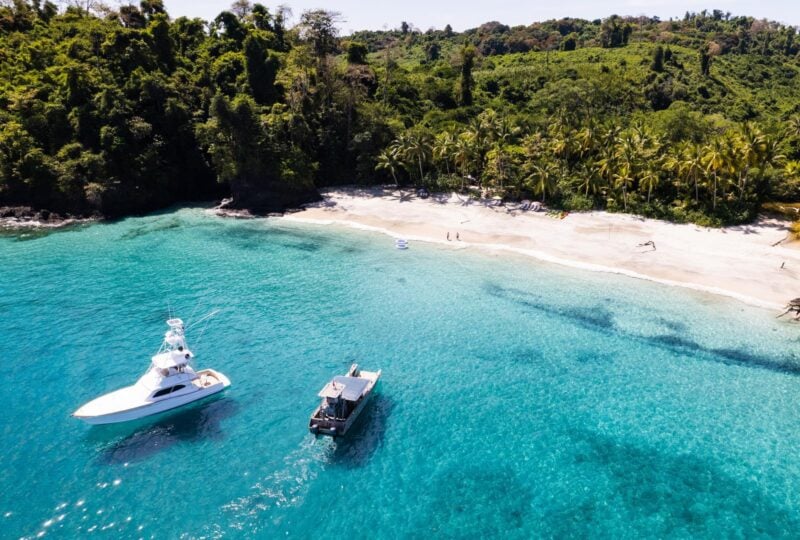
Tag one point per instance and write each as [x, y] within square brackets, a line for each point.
[542, 256]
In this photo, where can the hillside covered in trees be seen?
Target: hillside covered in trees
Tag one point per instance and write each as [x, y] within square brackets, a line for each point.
[120, 111]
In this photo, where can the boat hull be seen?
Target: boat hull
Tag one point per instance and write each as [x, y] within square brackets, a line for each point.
[156, 407]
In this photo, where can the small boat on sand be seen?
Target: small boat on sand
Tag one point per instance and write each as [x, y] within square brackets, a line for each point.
[343, 399]
[170, 382]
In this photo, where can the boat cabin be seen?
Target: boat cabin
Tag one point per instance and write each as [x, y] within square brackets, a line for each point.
[341, 395]
[172, 362]
[170, 369]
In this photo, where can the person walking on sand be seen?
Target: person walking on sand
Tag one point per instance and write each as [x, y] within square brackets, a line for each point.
[648, 243]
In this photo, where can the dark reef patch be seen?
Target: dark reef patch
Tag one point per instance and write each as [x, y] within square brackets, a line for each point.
[659, 494]
[474, 501]
[591, 317]
[600, 319]
[253, 238]
[591, 356]
[150, 228]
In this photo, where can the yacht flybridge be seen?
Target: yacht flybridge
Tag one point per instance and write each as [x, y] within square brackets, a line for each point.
[170, 382]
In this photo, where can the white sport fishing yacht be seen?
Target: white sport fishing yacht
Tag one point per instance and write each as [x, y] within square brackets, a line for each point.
[170, 382]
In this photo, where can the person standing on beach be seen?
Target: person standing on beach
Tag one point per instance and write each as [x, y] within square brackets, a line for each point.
[448, 236]
[458, 236]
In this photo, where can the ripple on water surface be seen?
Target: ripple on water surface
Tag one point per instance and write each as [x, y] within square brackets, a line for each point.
[518, 399]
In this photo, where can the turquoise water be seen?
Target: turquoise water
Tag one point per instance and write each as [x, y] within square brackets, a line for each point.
[518, 400]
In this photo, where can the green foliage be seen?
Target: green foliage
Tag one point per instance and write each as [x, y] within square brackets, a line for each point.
[262, 67]
[356, 52]
[614, 32]
[658, 59]
[705, 62]
[694, 119]
[466, 82]
[319, 28]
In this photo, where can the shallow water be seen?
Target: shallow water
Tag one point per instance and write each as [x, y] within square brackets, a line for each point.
[518, 399]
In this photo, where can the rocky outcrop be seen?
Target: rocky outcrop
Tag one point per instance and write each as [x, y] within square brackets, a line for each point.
[271, 197]
[25, 216]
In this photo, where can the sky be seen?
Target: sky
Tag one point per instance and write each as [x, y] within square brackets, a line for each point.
[463, 14]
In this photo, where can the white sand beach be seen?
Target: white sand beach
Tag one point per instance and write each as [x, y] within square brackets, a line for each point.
[741, 262]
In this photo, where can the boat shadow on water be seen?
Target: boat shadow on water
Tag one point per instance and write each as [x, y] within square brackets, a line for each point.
[142, 439]
[365, 437]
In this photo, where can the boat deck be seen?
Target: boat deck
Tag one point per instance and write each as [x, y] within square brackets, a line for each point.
[342, 401]
[206, 378]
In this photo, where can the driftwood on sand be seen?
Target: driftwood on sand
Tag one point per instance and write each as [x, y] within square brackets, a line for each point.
[792, 307]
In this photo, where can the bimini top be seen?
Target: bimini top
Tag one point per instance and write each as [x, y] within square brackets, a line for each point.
[349, 388]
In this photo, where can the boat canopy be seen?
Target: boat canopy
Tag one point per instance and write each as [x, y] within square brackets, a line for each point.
[349, 388]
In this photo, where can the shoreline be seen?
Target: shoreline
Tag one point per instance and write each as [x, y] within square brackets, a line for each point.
[26, 224]
[738, 262]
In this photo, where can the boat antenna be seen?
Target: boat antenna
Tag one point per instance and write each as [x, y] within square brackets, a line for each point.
[194, 310]
[205, 318]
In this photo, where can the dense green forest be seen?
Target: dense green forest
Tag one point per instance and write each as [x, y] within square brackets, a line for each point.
[124, 110]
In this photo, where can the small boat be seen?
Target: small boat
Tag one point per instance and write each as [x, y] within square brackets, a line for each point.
[170, 382]
[343, 399]
[401, 243]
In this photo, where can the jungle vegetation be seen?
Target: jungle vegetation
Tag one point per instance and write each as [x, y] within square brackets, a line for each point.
[126, 110]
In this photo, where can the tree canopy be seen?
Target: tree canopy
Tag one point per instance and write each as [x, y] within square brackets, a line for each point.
[127, 110]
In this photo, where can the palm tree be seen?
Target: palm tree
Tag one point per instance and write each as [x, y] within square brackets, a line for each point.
[751, 147]
[464, 152]
[606, 165]
[505, 131]
[793, 126]
[693, 166]
[612, 136]
[444, 148]
[592, 179]
[387, 160]
[734, 166]
[497, 164]
[480, 142]
[488, 123]
[586, 141]
[560, 142]
[770, 154]
[714, 158]
[412, 151]
[624, 178]
[674, 164]
[770, 157]
[543, 179]
[419, 150]
[649, 180]
[626, 152]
